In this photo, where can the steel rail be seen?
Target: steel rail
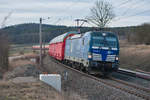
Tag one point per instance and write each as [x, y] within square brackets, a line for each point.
[134, 73]
[143, 96]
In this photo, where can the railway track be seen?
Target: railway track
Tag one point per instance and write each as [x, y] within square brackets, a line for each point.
[133, 79]
[133, 89]
[131, 85]
[142, 75]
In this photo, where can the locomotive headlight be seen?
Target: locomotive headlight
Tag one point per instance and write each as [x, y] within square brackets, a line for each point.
[117, 58]
[89, 55]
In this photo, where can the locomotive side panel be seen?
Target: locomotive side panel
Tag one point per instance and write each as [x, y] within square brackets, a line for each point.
[73, 49]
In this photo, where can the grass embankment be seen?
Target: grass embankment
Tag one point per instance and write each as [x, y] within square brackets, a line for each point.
[27, 91]
[12, 88]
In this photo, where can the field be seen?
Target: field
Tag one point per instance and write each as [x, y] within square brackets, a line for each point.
[134, 56]
[27, 91]
[21, 82]
[19, 49]
[131, 56]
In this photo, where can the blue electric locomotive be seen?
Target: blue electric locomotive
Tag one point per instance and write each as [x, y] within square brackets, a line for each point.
[93, 51]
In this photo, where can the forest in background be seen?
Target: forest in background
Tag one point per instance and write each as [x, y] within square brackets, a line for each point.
[29, 33]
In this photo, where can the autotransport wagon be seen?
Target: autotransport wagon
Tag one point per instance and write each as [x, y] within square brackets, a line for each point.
[57, 45]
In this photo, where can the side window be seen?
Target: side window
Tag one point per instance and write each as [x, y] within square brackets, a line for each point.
[83, 41]
[71, 46]
[78, 46]
[87, 40]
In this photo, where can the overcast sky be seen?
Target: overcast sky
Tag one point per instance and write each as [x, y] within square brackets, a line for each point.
[63, 12]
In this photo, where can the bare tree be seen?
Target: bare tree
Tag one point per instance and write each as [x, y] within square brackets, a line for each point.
[4, 51]
[101, 14]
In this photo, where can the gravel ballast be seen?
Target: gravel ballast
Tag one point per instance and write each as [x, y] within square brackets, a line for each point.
[88, 89]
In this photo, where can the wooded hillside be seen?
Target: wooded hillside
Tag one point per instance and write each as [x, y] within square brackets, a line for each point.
[29, 33]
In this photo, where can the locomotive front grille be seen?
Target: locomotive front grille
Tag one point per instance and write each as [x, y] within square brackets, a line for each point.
[111, 58]
[97, 57]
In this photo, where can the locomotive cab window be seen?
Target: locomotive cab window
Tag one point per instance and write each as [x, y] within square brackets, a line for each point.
[104, 40]
[111, 42]
[98, 41]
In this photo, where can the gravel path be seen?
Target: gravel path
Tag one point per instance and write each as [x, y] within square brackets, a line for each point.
[87, 88]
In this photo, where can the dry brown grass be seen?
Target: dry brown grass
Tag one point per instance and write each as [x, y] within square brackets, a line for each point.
[20, 62]
[135, 56]
[24, 60]
[28, 91]
[32, 91]
[31, 54]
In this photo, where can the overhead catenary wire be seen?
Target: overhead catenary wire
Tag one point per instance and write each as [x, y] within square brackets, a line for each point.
[67, 8]
[57, 21]
[134, 5]
[126, 15]
[123, 3]
[133, 15]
